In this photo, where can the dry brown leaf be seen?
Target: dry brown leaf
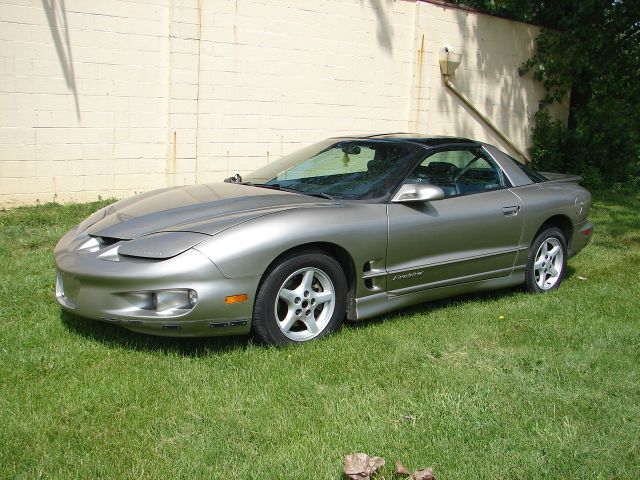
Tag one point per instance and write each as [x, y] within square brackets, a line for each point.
[420, 474]
[423, 474]
[360, 466]
[401, 469]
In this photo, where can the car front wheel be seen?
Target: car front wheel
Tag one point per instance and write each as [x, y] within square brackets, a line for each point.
[547, 261]
[302, 298]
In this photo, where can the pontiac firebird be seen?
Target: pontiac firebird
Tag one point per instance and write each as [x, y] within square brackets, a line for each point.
[348, 228]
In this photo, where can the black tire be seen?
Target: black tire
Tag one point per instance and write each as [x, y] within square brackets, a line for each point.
[549, 236]
[266, 312]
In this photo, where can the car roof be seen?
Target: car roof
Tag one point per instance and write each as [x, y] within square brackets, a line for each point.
[427, 140]
[508, 164]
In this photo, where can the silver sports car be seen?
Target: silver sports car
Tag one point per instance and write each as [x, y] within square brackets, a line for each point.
[350, 227]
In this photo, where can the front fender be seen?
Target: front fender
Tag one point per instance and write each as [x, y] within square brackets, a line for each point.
[249, 248]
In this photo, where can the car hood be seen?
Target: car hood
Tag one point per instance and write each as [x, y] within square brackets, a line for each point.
[207, 209]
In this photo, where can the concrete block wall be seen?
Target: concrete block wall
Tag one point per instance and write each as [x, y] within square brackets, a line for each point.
[118, 97]
[277, 75]
[83, 108]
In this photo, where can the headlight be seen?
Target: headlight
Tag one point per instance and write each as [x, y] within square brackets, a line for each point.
[165, 301]
[161, 245]
[193, 298]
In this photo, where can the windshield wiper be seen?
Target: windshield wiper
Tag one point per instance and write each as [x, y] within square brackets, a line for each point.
[277, 186]
[317, 194]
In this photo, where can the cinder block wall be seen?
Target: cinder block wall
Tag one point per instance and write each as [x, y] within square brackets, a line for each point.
[118, 97]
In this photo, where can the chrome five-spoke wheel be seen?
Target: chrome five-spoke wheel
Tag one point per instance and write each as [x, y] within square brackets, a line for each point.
[302, 297]
[305, 304]
[547, 261]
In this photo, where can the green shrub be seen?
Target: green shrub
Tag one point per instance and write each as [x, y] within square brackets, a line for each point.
[549, 138]
[602, 150]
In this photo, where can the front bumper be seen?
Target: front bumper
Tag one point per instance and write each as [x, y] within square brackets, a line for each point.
[102, 285]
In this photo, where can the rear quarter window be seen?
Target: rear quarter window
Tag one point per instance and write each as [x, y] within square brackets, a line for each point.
[536, 177]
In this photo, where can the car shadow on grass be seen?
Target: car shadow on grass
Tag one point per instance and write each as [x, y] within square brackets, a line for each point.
[434, 305]
[119, 337]
[116, 336]
[568, 274]
[426, 307]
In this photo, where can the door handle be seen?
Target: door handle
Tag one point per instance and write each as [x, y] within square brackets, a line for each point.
[511, 211]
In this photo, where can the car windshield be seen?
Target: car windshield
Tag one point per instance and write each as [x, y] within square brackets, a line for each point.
[345, 169]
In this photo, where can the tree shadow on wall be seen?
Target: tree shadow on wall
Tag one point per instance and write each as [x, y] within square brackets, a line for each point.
[385, 30]
[57, 19]
[494, 49]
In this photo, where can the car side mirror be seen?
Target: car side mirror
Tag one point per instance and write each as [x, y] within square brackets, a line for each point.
[418, 192]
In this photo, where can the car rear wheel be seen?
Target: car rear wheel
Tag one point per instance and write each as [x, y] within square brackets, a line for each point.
[547, 261]
[302, 298]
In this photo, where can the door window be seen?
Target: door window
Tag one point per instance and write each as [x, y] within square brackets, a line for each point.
[459, 172]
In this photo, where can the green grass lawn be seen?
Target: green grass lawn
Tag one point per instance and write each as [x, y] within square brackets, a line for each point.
[503, 385]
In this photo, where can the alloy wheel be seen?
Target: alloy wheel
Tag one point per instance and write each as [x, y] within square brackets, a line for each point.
[548, 264]
[305, 303]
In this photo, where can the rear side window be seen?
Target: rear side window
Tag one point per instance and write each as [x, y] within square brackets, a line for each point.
[459, 172]
[536, 177]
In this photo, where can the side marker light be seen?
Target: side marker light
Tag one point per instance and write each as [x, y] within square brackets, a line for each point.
[243, 297]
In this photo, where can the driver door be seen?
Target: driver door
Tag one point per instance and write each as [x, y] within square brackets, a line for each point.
[471, 234]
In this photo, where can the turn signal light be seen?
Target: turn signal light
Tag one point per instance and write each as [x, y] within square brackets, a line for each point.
[243, 297]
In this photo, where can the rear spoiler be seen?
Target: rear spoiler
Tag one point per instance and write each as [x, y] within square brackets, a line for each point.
[562, 177]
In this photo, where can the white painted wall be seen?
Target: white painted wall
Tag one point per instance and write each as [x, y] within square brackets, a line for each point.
[110, 98]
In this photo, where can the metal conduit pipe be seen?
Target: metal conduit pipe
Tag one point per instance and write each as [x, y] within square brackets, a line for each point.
[449, 61]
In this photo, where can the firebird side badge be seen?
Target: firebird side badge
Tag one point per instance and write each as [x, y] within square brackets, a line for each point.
[408, 275]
